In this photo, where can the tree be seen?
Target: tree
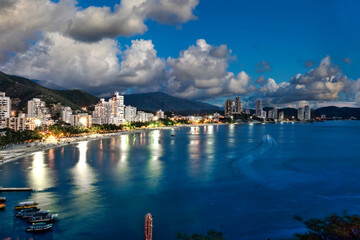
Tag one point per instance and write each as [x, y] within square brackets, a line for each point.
[333, 227]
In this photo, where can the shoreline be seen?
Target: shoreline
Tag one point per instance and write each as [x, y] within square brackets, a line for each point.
[17, 151]
[22, 150]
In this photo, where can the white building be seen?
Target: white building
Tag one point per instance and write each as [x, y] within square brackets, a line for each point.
[111, 112]
[238, 106]
[144, 116]
[5, 106]
[37, 109]
[130, 113]
[160, 114]
[20, 123]
[81, 120]
[65, 114]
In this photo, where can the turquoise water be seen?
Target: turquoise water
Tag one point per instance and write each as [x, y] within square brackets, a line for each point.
[247, 181]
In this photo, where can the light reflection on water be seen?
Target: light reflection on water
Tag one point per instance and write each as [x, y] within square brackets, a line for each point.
[194, 184]
[156, 151]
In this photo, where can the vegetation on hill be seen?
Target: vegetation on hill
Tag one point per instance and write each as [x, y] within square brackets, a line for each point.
[25, 90]
[157, 100]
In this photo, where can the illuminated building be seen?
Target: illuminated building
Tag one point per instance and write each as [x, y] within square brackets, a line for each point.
[81, 120]
[258, 109]
[111, 112]
[37, 109]
[228, 107]
[65, 114]
[307, 114]
[238, 106]
[130, 113]
[300, 114]
[4, 106]
[281, 116]
[160, 114]
[144, 116]
[148, 226]
[20, 123]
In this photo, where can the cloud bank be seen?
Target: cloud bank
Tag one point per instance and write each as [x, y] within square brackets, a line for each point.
[61, 44]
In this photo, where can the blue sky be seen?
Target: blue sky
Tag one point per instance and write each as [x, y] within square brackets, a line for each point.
[284, 33]
[258, 39]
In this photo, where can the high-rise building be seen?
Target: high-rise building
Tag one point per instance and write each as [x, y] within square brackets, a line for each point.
[228, 107]
[160, 114]
[37, 109]
[148, 226]
[281, 116]
[259, 107]
[130, 113]
[65, 114]
[111, 112]
[307, 114]
[5, 104]
[81, 120]
[270, 114]
[238, 106]
[263, 114]
[300, 115]
[275, 113]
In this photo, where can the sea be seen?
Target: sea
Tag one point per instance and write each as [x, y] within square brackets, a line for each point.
[248, 181]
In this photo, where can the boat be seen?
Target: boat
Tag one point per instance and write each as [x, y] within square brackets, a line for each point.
[35, 214]
[39, 227]
[24, 205]
[2, 202]
[27, 210]
[43, 219]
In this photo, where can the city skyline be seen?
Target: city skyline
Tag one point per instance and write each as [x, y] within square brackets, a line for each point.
[174, 47]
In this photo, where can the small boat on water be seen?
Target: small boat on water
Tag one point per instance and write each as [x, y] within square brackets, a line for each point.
[2, 202]
[24, 205]
[43, 219]
[27, 210]
[39, 227]
[35, 214]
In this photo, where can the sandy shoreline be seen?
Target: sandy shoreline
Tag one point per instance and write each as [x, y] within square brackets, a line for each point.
[17, 151]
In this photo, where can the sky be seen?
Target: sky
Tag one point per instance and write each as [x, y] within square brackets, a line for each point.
[288, 53]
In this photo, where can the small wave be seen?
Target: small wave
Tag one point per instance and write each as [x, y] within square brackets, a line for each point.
[244, 163]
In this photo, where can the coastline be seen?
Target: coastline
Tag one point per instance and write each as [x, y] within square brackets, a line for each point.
[22, 150]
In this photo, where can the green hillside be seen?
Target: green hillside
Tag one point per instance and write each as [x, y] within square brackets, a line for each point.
[25, 90]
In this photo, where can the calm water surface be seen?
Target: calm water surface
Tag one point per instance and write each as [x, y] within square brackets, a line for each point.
[247, 181]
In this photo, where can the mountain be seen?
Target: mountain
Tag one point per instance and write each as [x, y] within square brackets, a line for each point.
[25, 90]
[154, 101]
[330, 112]
[343, 112]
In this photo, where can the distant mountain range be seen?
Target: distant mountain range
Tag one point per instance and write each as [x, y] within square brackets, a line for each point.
[25, 90]
[330, 112]
[157, 100]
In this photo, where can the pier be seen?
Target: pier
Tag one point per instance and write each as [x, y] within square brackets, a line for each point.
[25, 189]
